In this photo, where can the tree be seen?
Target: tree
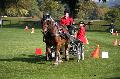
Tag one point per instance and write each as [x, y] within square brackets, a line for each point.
[113, 15]
[101, 11]
[85, 8]
[55, 8]
[19, 7]
[2, 7]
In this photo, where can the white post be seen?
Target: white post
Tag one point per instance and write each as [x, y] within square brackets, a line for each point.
[1, 22]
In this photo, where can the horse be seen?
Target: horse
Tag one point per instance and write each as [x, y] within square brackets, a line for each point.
[52, 37]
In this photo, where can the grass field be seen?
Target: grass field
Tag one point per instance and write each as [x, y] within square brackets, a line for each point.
[18, 60]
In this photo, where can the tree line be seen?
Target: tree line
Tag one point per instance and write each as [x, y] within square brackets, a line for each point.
[82, 9]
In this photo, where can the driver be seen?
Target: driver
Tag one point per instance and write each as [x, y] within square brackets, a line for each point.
[66, 21]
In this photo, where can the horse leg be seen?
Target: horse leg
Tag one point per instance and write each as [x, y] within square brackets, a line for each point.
[47, 53]
[43, 38]
[58, 59]
[67, 52]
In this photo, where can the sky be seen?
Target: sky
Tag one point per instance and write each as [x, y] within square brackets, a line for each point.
[98, 0]
[110, 2]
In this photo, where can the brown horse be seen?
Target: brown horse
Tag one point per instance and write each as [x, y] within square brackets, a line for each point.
[52, 37]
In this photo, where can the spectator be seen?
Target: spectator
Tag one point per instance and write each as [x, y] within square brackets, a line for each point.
[112, 26]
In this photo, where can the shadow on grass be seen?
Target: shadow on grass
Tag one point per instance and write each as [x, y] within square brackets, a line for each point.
[113, 78]
[29, 59]
[39, 59]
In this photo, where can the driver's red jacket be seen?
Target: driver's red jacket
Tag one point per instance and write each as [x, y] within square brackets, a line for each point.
[66, 21]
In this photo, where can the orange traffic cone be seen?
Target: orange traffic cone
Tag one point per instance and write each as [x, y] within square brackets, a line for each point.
[116, 33]
[26, 28]
[115, 42]
[38, 51]
[33, 30]
[95, 53]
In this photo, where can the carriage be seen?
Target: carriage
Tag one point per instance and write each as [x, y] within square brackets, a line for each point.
[76, 48]
[55, 40]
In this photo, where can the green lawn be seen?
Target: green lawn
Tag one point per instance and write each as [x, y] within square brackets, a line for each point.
[18, 60]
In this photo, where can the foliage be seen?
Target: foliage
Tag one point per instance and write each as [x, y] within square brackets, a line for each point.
[55, 8]
[79, 8]
[99, 12]
[11, 11]
[113, 15]
[85, 8]
[20, 7]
